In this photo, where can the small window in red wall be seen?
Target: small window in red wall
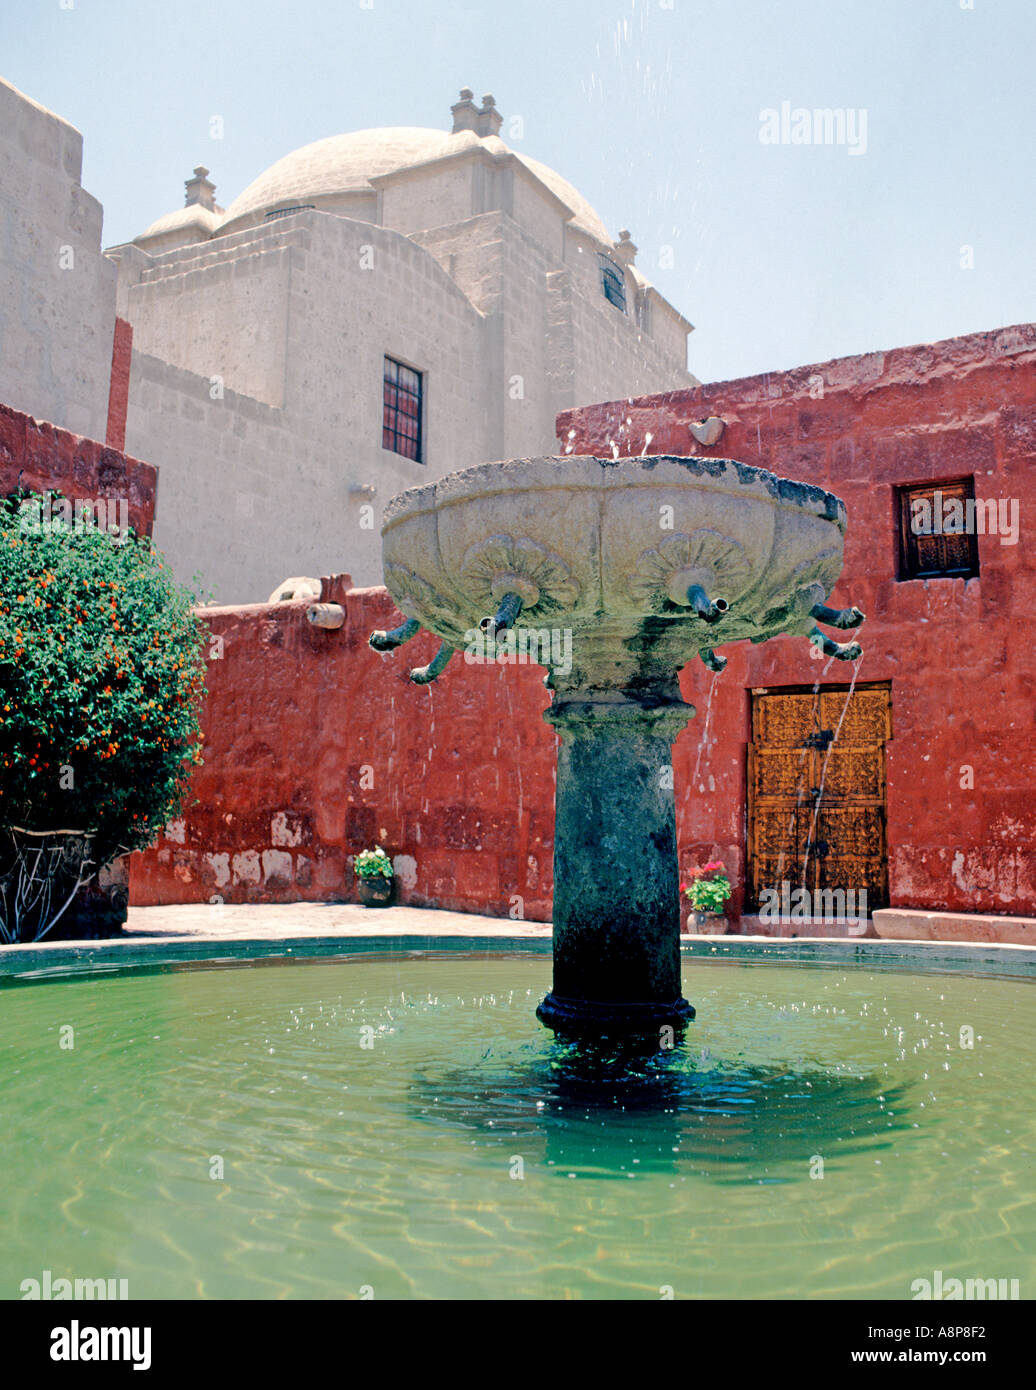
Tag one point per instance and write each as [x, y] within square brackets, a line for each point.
[937, 531]
[401, 410]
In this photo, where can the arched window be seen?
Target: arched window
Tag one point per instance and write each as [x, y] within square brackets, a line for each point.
[613, 281]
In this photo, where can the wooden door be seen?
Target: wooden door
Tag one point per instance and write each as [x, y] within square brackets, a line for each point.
[816, 790]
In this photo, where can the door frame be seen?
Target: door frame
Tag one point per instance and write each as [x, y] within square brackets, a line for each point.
[751, 904]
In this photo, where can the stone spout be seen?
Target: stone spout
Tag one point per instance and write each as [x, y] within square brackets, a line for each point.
[424, 675]
[841, 651]
[506, 616]
[841, 618]
[383, 641]
[709, 610]
[712, 661]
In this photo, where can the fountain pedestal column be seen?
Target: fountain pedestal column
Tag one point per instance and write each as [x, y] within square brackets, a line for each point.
[616, 877]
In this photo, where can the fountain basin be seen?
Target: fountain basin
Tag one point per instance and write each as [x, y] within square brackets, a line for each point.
[608, 550]
[395, 1167]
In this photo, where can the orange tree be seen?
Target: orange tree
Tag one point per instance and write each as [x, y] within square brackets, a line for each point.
[101, 679]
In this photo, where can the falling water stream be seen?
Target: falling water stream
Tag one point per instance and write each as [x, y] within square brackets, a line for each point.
[798, 787]
[823, 771]
[705, 731]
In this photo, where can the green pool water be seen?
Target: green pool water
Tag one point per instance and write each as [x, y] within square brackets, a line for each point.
[403, 1126]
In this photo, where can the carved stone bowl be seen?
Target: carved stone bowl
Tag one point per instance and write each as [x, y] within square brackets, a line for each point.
[645, 561]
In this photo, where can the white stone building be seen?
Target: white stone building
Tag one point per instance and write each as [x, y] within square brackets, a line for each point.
[57, 288]
[375, 310]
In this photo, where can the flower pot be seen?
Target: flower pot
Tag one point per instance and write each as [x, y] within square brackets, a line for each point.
[375, 892]
[710, 923]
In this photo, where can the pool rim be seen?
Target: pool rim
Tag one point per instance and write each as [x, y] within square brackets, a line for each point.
[38, 962]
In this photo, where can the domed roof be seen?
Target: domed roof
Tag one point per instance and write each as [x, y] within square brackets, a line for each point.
[347, 163]
[343, 164]
[197, 221]
[584, 216]
[193, 218]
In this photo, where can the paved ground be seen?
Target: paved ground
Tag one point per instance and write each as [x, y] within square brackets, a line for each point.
[277, 921]
[195, 933]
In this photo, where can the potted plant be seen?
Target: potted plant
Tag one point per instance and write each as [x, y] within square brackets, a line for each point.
[373, 869]
[708, 890]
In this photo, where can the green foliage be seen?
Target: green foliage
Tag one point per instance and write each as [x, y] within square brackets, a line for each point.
[101, 678]
[709, 887]
[372, 863]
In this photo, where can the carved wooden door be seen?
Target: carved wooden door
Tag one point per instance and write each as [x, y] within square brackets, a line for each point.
[816, 791]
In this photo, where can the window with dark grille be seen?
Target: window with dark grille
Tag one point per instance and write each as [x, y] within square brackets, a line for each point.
[937, 530]
[613, 282]
[287, 212]
[401, 411]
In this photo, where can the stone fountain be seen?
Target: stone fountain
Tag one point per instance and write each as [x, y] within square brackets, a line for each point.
[639, 565]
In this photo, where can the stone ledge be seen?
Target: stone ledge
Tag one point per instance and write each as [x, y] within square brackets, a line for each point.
[911, 924]
[789, 928]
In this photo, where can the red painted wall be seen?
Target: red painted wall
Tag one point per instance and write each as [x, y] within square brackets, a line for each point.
[118, 390]
[959, 653]
[318, 747]
[36, 456]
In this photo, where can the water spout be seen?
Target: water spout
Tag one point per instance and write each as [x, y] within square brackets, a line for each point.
[841, 618]
[709, 610]
[383, 641]
[506, 616]
[712, 661]
[841, 651]
[424, 675]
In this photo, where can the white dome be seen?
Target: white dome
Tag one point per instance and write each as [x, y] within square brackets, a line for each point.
[584, 215]
[194, 218]
[347, 163]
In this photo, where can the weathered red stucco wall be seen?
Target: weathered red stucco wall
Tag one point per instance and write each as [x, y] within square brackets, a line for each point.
[38, 456]
[317, 746]
[959, 653]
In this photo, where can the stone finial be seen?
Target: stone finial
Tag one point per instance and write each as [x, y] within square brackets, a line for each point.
[200, 189]
[465, 112]
[489, 118]
[625, 250]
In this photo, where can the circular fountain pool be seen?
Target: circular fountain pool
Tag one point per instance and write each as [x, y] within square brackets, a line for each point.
[401, 1125]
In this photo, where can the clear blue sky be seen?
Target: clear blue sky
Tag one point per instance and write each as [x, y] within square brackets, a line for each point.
[782, 254]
